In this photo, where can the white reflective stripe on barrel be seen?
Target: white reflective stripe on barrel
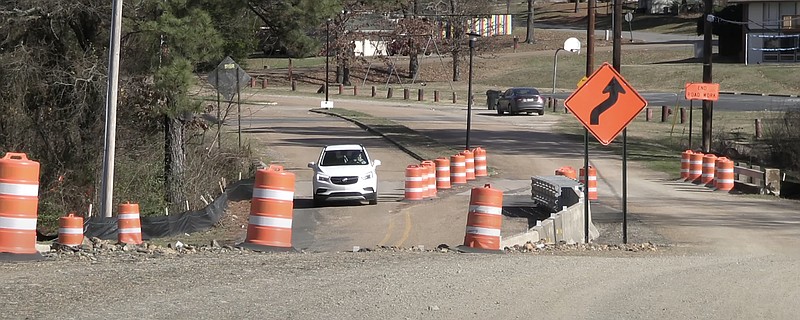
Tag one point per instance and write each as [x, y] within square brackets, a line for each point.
[459, 174]
[273, 194]
[483, 231]
[480, 167]
[684, 160]
[271, 222]
[708, 165]
[696, 171]
[724, 181]
[443, 179]
[130, 230]
[721, 170]
[470, 170]
[480, 158]
[696, 162]
[485, 209]
[70, 230]
[469, 160]
[592, 189]
[127, 216]
[16, 189]
[414, 190]
[708, 175]
[413, 178]
[18, 223]
[459, 164]
[442, 168]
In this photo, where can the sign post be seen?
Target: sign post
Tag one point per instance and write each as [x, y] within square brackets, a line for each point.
[699, 91]
[605, 104]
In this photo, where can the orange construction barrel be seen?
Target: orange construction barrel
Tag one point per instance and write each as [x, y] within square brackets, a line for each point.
[414, 183]
[19, 200]
[707, 177]
[70, 230]
[724, 174]
[429, 177]
[271, 211]
[685, 164]
[481, 168]
[442, 173]
[592, 185]
[484, 219]
[469, 161]
[458, 169]
[695, 166]
[129, 224]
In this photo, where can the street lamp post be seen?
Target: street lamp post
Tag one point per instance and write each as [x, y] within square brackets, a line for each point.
[572, 45]
[472, 38]
[327, 55]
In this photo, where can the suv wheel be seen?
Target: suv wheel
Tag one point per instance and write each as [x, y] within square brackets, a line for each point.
[318, 201]
[374, 199]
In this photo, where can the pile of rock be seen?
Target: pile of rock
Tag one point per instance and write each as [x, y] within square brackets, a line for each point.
[541, 247]
[94, 249]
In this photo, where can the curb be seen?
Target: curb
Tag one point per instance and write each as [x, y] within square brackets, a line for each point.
[370, 129]
[760, 94]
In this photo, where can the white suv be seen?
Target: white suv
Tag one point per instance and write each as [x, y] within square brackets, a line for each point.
[345, 172]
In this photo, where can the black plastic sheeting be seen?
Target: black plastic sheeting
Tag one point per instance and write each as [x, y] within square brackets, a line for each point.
[176, 224]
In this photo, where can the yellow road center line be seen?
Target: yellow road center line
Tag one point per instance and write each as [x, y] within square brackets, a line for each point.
[388, 235]
[407, 230]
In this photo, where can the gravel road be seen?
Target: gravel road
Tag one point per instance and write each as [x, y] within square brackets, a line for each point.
[404, 285]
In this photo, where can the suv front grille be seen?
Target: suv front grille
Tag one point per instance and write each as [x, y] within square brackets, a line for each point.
[344, 180]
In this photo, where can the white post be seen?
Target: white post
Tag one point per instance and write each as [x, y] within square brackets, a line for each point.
[111, 110]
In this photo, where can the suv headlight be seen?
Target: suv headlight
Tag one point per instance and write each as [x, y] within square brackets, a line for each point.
[367, 176]
[323, 178]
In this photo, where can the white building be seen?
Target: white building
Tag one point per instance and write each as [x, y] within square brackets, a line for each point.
[772, 31]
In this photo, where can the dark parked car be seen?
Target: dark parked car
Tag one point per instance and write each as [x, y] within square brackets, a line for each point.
[516, 100]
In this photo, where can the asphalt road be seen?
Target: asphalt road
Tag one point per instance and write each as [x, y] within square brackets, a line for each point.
[725, 256]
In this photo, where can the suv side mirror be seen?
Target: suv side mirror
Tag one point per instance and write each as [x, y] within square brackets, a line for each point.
[376, 163]
[312, 164]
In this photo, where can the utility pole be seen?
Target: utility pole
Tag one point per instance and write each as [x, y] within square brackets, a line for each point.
[107, 196]
[617, 63]
[590, 37]
[707, 104]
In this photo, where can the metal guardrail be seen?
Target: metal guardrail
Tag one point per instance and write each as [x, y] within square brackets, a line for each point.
[553, 193]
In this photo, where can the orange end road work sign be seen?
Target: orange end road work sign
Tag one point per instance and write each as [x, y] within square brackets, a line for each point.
[702, 91]
[605, 104]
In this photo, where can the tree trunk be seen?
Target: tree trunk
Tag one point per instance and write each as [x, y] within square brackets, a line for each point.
[529, 38]
[174, 163]
[346, 73]
[339, 75]
[413, 66]
[456, 71]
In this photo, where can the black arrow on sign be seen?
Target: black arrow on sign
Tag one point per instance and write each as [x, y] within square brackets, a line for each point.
[613, 89]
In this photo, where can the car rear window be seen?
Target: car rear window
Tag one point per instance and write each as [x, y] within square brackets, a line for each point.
[527, 91]
[344, 157]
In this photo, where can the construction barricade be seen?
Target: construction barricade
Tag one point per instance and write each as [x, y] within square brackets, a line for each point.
[469, 163]
[481, 167]
[430, 177]
[414, 183]
[707, 176]
[695, 166]
[129, 224]
[271, 211]
[724, 178]
[70, 230]
[442, 173]
[19, 200]
[685, 158]
[458, 169]
[568, 172]
[592, 185]
[484, 220]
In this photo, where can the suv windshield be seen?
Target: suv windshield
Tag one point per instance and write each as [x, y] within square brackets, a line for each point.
[344, 157]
